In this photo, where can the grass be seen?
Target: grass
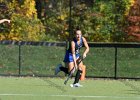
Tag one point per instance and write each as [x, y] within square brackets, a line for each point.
[42, 60]
[34, 88]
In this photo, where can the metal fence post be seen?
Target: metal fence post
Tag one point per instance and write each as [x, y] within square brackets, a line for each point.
[70, 23]
[19, 56]
[116, 52]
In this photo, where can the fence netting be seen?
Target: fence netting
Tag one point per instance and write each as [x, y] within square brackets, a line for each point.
[9, 59]
[128, 62]
[42, 61]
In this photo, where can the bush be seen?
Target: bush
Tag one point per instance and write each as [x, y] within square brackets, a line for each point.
[24, 22]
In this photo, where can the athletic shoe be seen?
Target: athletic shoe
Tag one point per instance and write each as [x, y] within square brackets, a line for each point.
[76, 85]
[57, 69]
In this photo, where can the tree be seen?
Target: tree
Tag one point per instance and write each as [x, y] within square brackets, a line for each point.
[133, 18]
[24, 22]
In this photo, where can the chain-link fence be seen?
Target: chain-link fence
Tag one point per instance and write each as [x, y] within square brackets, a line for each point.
[41, 58]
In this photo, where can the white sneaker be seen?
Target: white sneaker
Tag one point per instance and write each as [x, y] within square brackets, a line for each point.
[57, 69]
[76, 85]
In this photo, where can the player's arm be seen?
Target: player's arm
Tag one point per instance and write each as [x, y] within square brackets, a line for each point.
[4, 20]
[73, 53]
[86, 47]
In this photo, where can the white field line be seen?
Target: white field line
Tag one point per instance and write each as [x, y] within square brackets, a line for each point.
[72, 96]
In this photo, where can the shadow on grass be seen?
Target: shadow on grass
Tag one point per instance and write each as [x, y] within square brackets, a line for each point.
[135, 90]
[53, 84]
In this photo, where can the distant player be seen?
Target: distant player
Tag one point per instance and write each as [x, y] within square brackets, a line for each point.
[72, 56]
[4, 20]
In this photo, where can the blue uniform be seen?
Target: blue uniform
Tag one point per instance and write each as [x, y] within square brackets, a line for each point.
[68, 55]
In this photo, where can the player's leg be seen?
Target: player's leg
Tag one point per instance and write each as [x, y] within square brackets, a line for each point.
[60, 67]
[71, 68]
[79, 73]
[65, 69]
[71, 71]
[83, 73]
[67, 59]
[78, 76]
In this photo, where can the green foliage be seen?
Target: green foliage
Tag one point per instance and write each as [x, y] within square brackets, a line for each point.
[97, 21]
[56, 20]
[27, 29]
[4, 27]
[100, 20]
[122, 10]
[24, 22]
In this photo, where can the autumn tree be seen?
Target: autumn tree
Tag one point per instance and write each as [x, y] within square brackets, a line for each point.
[133, 18]
[24, 22]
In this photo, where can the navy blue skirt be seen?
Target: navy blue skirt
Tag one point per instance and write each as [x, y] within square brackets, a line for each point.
[69, 58]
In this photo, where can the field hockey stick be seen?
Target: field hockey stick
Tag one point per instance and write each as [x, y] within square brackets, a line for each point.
[72, 71]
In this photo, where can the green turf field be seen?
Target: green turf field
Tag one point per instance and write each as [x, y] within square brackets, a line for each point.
[33, 88]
